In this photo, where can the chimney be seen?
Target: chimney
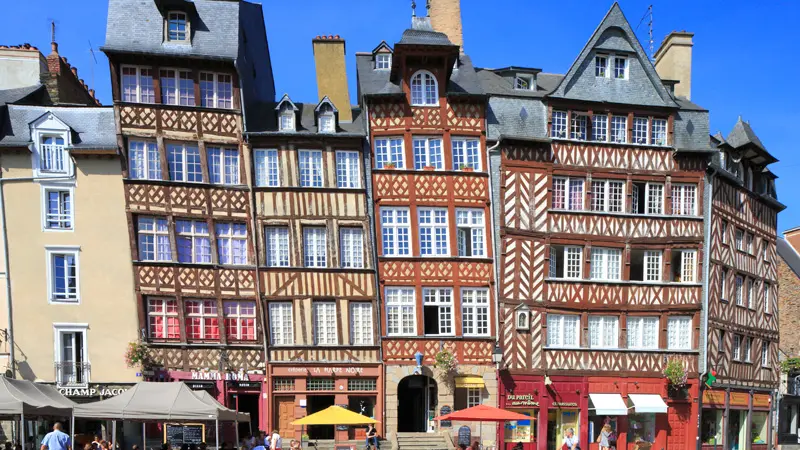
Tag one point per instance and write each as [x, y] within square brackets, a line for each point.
[793, 238]
[74, 71]
[446, 18]
[332, 74]
[674, 61]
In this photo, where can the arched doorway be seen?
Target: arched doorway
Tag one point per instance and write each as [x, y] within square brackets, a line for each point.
[416, 399]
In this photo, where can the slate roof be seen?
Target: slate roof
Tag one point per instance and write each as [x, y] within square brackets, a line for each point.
[92, 127]
[266, 122]
[789, 255]
[371, 81]
[423, 36]
[495, 84]
[19, 94]
[742, 134]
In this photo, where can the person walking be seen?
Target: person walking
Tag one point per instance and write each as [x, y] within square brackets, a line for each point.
[604, 439]
[56, 439]
[275, 441]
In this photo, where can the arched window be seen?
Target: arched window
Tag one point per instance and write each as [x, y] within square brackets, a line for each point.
[424, 89]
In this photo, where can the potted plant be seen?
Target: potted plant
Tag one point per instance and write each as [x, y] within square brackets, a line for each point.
[466, 168]
[390, 165]
[676, 376]
[445, 362]
[429, 168]
[137, 354]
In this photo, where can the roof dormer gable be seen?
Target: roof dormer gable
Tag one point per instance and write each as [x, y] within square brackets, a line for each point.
[287, 114]
[326, 115]
[179, 16]
[382, 56]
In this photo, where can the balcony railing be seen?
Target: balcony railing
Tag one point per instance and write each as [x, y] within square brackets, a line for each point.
[72, 374]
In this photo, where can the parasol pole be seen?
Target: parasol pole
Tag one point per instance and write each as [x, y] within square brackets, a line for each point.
[114, 435]
[22, 428]
[216, 432]
[237, 432]
[144, 436]
[71, 429]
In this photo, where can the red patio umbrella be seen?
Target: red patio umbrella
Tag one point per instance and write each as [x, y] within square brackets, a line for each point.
[483, 413]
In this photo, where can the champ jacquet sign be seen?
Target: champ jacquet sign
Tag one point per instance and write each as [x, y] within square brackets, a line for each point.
[94, 391]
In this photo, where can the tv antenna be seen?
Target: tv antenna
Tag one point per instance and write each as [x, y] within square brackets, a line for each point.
[648, 15]
[94, 59]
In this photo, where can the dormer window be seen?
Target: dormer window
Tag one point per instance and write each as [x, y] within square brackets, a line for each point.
[177, 26]
[523, 82]
[424, 89]
[286, 120]
[383, 61]
[327, 121]
[53, 155]
[601, 66]
[620, 67]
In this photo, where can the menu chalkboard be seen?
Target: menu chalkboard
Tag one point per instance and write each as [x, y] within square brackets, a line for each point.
[179, 434]
[445, 423]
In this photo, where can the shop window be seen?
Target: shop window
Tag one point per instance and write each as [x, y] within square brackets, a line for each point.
[362, 384]
[283, 384]
[641, 427]
[759, 429]
[711, 427]
[467, 397]
[596, 424]
[521, 430]
[320, 384]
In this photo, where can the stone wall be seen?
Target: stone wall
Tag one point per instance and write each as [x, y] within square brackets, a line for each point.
[789, 309]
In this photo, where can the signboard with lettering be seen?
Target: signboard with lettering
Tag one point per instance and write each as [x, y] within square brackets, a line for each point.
[92, 391]
[760, 400]
[521, 401]
[445, 423]
[188, 433]
[713, 398]
[464, 436]
[200, 385]
[216, 376]
[245, 384]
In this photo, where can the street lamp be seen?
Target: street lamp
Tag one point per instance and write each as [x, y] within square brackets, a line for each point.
[497, 354]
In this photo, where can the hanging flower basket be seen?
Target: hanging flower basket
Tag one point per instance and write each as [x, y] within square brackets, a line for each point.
[675, 373]
[445, 363]
[136, 355]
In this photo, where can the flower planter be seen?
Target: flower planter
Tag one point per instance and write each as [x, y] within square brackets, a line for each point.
[467, 169]
[389, 166]
[429, 168]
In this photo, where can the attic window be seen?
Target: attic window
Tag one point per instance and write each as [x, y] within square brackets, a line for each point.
[286, 119]
[601, 66]
[604, 69]
[523, 82]
[620, 67]
[383, 61]
[327, 122]
[177, 26]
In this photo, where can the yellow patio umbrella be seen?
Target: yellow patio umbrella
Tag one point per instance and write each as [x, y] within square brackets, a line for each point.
[335, 415]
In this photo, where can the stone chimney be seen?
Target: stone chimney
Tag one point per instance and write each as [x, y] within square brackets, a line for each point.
[793, 238]
[674, 61]
[332, 74]
[446, 18]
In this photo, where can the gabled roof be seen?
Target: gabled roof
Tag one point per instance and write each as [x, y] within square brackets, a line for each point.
[285, 99]
[325, 101]
[382, 45]
[743, 138]
[375, 82]
[422, 33]
[91, 127]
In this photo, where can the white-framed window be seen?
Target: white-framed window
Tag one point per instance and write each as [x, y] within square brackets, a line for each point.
[724, 232]
[240, 320]
[153, 237]
[193, 241]
[162, 318]
[389, 153]
[475, 312]
[177, 26]
[748, 349]
[267, 168]
[177, 87]
[361, 323]
[652, 265]
[568, 193]
[751, 298]
[765, 354]
[216, 90]
[202, 320]
[351, 247]
[647, 198]
[348, 174]
[601, 66]
[223, 165]
[277, 246]
[640, 130]
[577, 127]
[748, 243]
[63, 274]
[523, 82]
[53, 156]
[184, 162]
[473, 396]
[395, 231]
[684, 266]
[563, 331]
[57, 210]
[424, 89]
[383, 61]
[281, 324]
[231, 243]
[428, 153]
[608, 195]
[326, 121]
[619, 129]
[684, 199]
[137, 85]
[658, 132]
[437, 311]
[315, 247]
[738, 290]
[765, 250]
[71, 354]
[642, 332]
[466, 154]
[433, 236]
[566, 261]
[620, 67]
[679, 333]
[310, 168]
[767, 298]
[470, 232]
[603, 331]
[401, 316]
[145, 160]
[606, 264]
[739, 239]
[600, 128]
[558, 125]
[723, 284]
[286, 119]
[324, 323]
[737, 347]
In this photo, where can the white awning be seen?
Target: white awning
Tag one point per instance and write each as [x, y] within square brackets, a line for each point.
[647, 403]
[608, 404]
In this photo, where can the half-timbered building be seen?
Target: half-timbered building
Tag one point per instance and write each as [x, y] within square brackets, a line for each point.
[182, 73]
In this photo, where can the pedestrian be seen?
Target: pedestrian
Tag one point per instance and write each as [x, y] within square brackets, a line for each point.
[96, 442]
[56, 439]
[275, 441]
[475, 445]
[372, 437]
[604, 439]
[571, 441]
[294, 445]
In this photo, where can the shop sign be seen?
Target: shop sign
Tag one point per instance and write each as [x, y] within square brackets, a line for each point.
[760, 400]
[199, 385]
[216, 376]
[714, 398]
[739, 399]
[97, 391]
[445, 423]
[564, 404]
[325, 370]
[521, 400]
[246, 384]
[343, 427]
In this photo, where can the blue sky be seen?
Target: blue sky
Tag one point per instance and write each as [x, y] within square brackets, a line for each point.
[745, 55]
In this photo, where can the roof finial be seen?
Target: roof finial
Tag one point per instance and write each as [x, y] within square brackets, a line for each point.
[413, 8]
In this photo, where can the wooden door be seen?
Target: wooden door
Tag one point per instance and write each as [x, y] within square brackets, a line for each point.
[284, 415]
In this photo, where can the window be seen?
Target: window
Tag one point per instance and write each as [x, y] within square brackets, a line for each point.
[658, 132]
[361, 323]
[267, 174]
[72, 367]
[640, 130]
[193, 242]
[315, 247]
[577, 128]
[277, 246]
[216, 90]
[137, 85]
[281, 323]
[723, 284]
[466, 397]
[608, 195]
[437, 311]
[748, 242]
[177, 87]
[53, 155]
[362, 384]
[738, 286]
[154, 243]
[737, 347]
[324, 323]
[751, 300]
[606, 264]
[568, 193]
[401, 319]
[231, 243]
[603, 331]
[566, 261]
[558, 127]
[389, 153]
[395, 231]
[601, 66]
[62, 274]
[600, 128]
[223, 165]
[739, 236]
[347, 173]
[721, 346]
[684, 199]
[748, 349]
[620, 67]
[240, 320]
[310, 168]
[145, 160]
[563, 331]
[523, 82]
[433, 239]
[619, 129]
[326, 119]
[679, 333]
[475, 312]
[202, 320]
[765, 354]
[767, 299]
[428, 153]
[642, 332]
[646, 265]
[320, 384]
[177, 26]
[765, 250]
[647, 198]
[684, 266]
[724, 232]
[383, 61]
[58, 208]
[162, 318]
[351, 247]
[424, 90]
[184, 163]
[466, 154]
[286, 120]
[470, 232]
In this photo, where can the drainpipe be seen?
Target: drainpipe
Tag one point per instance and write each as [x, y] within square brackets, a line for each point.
[496, 245]
[707, 200]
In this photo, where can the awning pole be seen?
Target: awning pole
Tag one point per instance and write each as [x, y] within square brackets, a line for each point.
[114, 435]
[144, 435]
[22, 428]
[236, 424]
[216, 432]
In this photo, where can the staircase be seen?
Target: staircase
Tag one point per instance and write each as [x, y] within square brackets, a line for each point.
[422, 441]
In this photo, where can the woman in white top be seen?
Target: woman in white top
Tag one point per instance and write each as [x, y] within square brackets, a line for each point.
[571, 441]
